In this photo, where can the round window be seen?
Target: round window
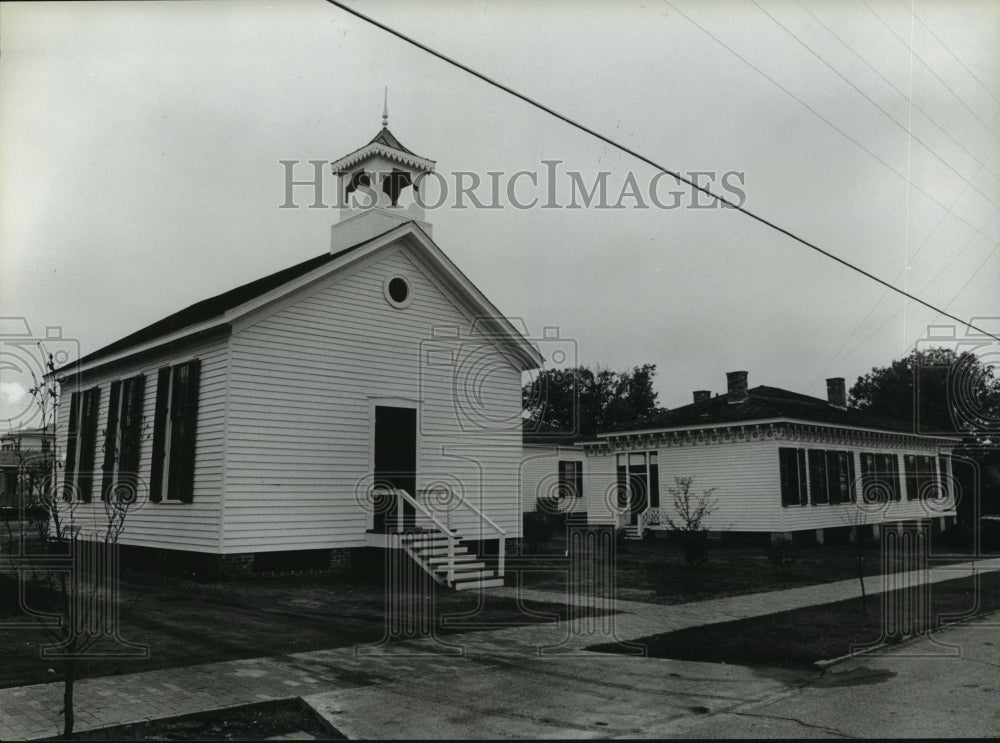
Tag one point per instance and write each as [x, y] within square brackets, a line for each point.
[397, 291]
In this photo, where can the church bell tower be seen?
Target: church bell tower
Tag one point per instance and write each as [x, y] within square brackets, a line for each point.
[378, 188]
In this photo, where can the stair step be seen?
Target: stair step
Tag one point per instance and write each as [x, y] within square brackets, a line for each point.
[474, 584]
[473, 574]
[439, 551]
[466, 558]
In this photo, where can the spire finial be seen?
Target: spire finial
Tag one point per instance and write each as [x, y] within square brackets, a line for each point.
[385, 109]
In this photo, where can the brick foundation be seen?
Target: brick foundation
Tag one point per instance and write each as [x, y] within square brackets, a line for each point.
[235, 566]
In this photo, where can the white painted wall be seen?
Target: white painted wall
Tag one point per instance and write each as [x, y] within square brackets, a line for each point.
[168, 524]
[540, 475]
[305, 377]
[746, 478]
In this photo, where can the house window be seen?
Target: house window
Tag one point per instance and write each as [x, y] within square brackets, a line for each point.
[174, 429]
[570, 479]
[880, 477]
[921, 477]
[397, 291]
[81, 443]
[122, 439]
[831, 476]
[792, 463]
[638, 481]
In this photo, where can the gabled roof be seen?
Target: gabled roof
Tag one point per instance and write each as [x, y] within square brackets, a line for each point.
[223, 308]
[213, 307]
[763, 403]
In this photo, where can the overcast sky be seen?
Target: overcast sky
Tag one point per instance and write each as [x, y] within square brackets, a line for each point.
[140, 147]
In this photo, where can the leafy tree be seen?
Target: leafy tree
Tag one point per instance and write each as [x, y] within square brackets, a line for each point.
[939, 390]
[585, 401]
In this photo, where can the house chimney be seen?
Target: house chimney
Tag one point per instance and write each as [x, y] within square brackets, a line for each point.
[702, 395]
[737, 383]
[836, 392]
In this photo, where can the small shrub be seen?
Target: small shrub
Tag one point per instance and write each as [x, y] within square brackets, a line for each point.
[541, 524]
[783, 553]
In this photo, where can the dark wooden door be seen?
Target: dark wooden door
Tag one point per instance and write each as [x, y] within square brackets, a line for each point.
[395, 463]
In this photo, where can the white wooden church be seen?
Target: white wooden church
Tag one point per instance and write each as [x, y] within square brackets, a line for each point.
[316, 411]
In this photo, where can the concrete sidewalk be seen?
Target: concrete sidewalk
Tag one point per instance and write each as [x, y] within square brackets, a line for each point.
[504, 659]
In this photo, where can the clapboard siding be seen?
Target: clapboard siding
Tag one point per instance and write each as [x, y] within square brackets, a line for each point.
[298, 452]
[168, 524]
[540, 475]
[746, 478]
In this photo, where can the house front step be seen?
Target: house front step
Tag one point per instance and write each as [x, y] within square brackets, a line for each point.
[440, 551]
[468, 557]
[463, 575]
[474, 584]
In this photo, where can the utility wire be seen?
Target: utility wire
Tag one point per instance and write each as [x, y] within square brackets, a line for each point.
[928, 68]
[839, 130]
[892, 85]
[627, 150]
[947, 49]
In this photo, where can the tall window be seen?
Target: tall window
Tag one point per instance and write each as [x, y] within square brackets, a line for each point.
[81, 443]
[123, 438]
[570, 479]
[174, 428]
[880, 477]
[831, 476]
[921, 476]
[638, 481]
[792, 463]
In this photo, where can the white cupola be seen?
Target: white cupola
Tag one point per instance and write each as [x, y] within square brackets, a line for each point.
[378, 188]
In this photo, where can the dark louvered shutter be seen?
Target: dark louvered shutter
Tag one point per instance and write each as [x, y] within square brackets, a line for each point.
[72, 435]
[622, 482]
[654, 480]
[88, 443]
[183, 429]
[110, 442]
[131, 436]
[159, 434]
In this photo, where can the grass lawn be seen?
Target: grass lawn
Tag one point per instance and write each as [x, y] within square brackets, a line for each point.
[250, 722]
[655, 571]
[185, 622]
[799, 638]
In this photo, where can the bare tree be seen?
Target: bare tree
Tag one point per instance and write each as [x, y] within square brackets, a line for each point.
[691, 510]
[50, 505]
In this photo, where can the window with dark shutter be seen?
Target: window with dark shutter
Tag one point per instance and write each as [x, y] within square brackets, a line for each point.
[130, 437]
[88, 443]
[792, 463]
[72, 444]
[161, 418]
[817, 477]
[183, 423]
[654, 480]
[622, 482]
[110, 442]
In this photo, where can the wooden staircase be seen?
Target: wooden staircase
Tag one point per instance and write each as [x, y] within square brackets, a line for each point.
[462, 570]
[632, 531]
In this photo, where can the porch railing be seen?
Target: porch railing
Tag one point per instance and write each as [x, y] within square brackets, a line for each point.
[446, 525]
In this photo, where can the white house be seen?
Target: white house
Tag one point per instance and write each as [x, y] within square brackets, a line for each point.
[780, 463]
[552, 471]
[367, 397]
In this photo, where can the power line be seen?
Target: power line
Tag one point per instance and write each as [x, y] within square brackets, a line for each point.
[607, 140]
[816, 113]
[875, 103]
[947, 49]
[928, 68]
[891, 84]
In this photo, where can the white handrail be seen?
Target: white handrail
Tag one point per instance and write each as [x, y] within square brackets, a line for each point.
[502, 547]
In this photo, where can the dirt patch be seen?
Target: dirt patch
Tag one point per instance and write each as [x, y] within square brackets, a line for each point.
[248, 722]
